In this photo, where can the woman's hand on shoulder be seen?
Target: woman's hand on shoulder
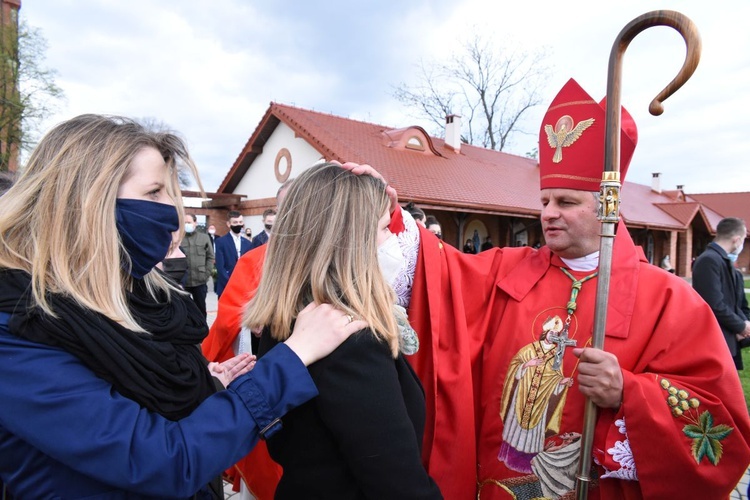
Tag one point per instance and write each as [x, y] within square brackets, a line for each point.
[319, 330]
[232, 368]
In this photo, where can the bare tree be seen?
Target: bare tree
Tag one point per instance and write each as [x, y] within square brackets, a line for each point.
[28, 93]
[490, 87]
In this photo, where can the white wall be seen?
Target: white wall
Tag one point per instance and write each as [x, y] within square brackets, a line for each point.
[260, 180]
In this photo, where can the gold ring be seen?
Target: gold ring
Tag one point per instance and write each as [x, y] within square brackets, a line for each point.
[350, 318]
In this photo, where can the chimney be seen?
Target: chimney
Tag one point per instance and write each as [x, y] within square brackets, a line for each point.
[656, 182]
[680, 187]
[453, 132]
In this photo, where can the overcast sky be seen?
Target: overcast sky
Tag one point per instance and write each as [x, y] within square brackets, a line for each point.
[210, 69]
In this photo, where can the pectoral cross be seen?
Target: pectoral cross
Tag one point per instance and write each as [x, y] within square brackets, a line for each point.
[562, 341]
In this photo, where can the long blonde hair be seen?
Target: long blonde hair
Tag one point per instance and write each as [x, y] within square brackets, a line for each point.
[57, 222]
[323, 248]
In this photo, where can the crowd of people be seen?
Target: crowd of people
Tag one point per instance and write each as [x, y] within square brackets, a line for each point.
[361, 353]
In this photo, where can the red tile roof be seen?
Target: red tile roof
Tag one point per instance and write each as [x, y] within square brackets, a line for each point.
[683, 212]
[642, 207]
[475, 179]
[725, 205]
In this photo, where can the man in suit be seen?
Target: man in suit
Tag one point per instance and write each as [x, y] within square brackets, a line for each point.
[269, 216]
[212, 236]
[229, 248]
[721, 286]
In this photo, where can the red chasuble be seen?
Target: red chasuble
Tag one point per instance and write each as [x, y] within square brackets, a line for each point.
[260, 473]
[485, 324]
[241, 287]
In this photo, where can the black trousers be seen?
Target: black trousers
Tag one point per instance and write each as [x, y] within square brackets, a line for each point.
[199, 296]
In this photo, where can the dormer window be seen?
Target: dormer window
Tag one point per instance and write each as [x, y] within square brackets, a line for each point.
[415, 143]
[413, 138]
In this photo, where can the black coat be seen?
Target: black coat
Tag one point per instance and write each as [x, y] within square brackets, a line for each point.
[720, 284]
[362, 436]
[260, 239]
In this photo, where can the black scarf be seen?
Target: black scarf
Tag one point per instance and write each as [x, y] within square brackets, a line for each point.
[164, 372]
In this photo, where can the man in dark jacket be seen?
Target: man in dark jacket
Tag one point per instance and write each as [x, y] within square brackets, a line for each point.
[721, 286]
[199, 251]
[269, 216]
[229, 248]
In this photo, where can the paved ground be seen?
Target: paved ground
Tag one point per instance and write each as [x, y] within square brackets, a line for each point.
[740, 492]
[211, 308]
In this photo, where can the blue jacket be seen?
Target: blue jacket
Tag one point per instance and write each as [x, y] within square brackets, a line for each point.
[65, 433]
[226, 258]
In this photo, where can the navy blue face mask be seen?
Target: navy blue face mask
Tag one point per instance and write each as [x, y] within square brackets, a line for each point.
[146, 229]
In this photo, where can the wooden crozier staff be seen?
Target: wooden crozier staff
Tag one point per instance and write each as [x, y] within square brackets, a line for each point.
[609, 193]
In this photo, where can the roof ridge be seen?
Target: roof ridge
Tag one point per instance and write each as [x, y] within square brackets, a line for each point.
[330, 114]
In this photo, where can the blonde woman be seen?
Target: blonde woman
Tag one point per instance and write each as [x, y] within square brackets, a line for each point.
[103, 390]
[361, 437]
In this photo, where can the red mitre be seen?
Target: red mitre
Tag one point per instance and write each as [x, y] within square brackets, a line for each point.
[571, 141]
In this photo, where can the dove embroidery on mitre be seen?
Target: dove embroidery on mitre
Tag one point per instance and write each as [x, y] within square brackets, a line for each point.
[564, 134]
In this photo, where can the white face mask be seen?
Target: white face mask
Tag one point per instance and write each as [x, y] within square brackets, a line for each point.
[391, 259]
[733, 255]
[739, 250]
[189, 228]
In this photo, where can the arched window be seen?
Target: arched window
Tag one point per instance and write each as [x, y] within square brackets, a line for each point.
[415, 143]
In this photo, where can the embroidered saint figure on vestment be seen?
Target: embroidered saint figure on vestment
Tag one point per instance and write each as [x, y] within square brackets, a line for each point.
[533, 399]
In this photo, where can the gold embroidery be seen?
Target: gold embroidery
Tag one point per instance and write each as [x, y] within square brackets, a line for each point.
[573, 177]
[706, 437]
[564, 134]
[573, 103]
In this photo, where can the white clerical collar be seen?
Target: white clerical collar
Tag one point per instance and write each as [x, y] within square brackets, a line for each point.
[586, 263]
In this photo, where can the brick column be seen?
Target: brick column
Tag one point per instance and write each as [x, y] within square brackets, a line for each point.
[685, 253]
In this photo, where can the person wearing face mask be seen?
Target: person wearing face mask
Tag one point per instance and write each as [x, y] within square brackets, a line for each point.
[721, 285]
[501, 415]
[433, 226]
[229, 248]
[104, 391]
[269, 216]
[200, 258]
[175, 264]
[212, 236]
[257, 473]
[361, 438]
